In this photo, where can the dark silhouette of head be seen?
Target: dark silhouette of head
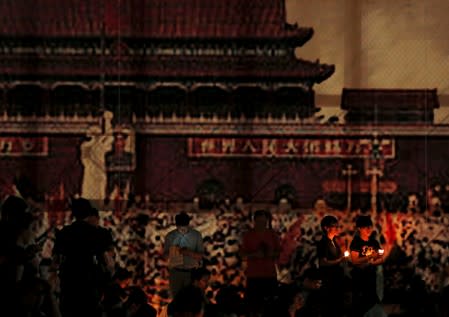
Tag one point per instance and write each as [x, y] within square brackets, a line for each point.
[327, 222]
[200, 278]
[189, 301]
[13, 206]
[182, 219]
[81, 208]
[261, 219]
[363, 222]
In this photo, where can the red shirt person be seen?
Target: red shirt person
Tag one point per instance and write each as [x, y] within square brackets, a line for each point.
[261, 248]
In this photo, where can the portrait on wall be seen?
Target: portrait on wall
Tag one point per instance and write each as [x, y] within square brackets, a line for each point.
[122, 156]
[121, 162]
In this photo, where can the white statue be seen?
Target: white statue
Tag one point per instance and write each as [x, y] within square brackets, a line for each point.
[93, 159]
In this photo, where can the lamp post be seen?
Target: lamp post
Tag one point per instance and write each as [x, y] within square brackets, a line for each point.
[349, 172]
[374, 169]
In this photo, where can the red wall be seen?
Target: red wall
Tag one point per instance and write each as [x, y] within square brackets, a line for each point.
[45, 174]
[165, 171]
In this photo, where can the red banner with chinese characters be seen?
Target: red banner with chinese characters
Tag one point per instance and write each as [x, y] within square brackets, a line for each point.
[23, 146]
[340, 186]
[288, 147]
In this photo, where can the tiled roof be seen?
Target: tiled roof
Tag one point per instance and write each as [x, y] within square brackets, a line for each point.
[222, 67]
[149, 19]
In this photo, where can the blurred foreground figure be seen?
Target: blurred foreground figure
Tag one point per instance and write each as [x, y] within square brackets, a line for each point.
[80, 250]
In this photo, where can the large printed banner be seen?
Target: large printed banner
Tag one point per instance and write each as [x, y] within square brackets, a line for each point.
[23, 146]
[359, 186]
[288, 147]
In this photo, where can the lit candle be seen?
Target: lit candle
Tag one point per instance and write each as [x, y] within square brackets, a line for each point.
[346, 253]
[381, 251]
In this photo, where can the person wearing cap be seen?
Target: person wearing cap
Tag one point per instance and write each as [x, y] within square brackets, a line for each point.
[184, 248]
[331, 257]
[366, 254]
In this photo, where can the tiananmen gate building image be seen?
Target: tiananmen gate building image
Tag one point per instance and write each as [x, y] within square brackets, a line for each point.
[147, 108]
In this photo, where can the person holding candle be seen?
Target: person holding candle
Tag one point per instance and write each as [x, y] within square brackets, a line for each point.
[331, 256]
[366, 254]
